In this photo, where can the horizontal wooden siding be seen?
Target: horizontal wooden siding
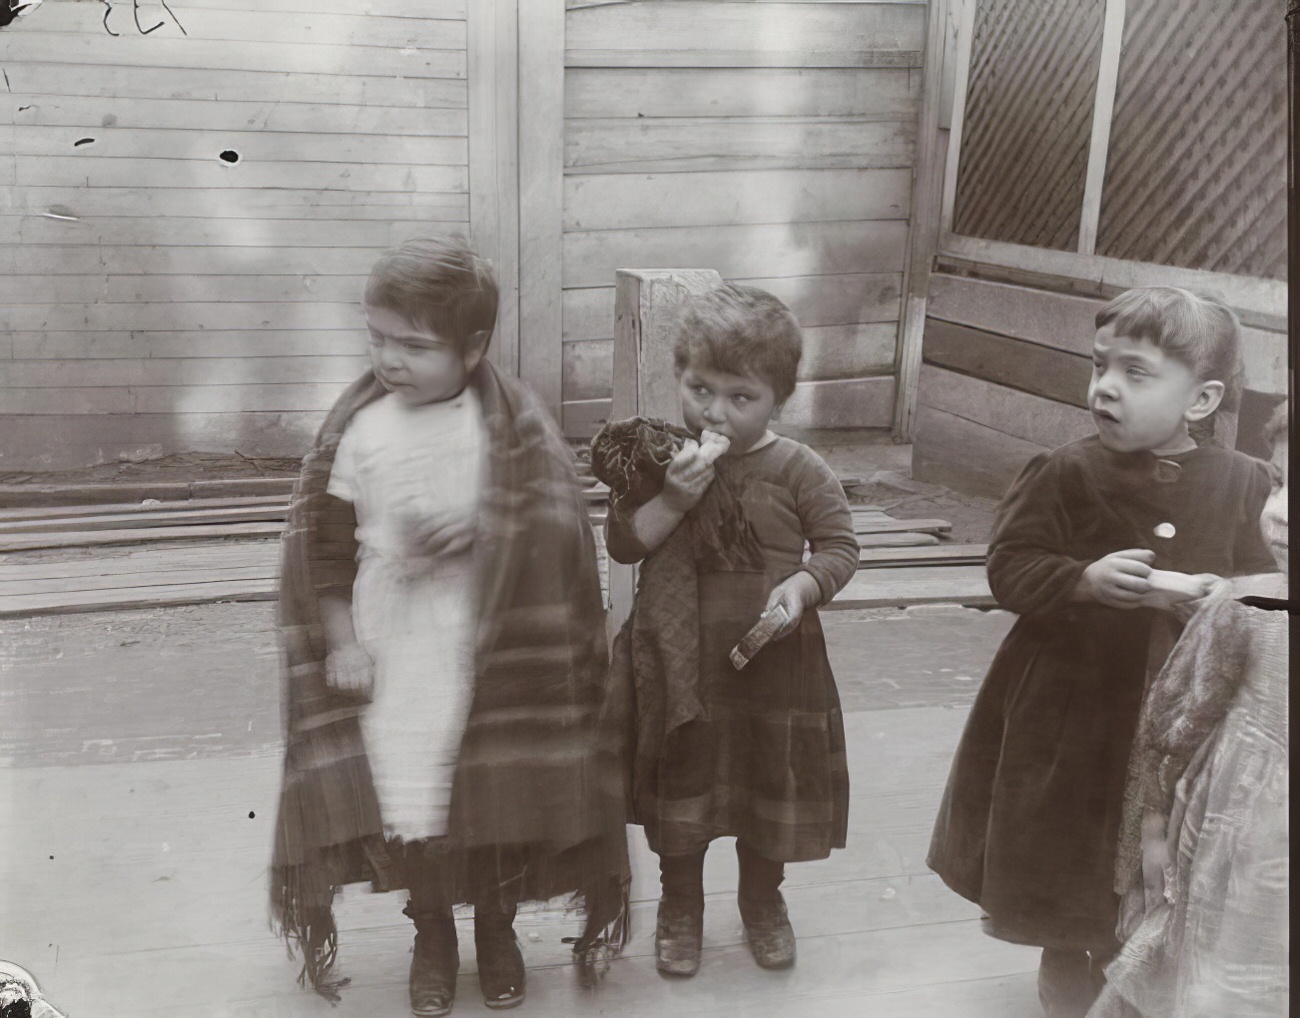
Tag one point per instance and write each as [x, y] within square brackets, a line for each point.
[772, 142]
[159, 296]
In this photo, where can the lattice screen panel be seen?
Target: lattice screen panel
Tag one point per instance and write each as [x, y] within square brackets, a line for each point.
[1028, 120]
[1196, 171]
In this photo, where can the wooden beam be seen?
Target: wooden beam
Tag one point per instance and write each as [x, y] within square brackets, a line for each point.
[645, 378]
[493, 72]
[1029, 367]
[909, 585]
[1262, 299]
[1103, 109]
[1066, 322]
[1014, 412]
[93, 538]
[964, 14]
[923, 237]
[541, 196]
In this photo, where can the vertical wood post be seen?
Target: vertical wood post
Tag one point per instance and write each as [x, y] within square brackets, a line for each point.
[493, 78]
[964, 14]
[1103, 112]
[645, 379]
[927, 194]
[541, 197]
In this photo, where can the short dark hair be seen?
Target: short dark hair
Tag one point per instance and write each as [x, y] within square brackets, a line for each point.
[1201, 331]
[437, 283]
[740, 330]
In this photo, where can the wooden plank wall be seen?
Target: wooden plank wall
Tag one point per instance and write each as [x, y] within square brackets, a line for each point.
[770, 141]
[1005, 371]
[156, 298]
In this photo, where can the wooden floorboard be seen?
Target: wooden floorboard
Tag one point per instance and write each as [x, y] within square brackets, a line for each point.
[99, 538]
[152, 517]
[943, 554]
[192, 505]
[139, 889]
[913, 585]
[90, 564]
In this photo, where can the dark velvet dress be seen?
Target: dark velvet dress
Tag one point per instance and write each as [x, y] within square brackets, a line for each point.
[763, 758]
[1030, 818]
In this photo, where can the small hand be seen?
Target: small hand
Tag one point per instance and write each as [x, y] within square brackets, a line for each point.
[350, 670]
[689, 475]
[1119, 579]
[1155, 859]
[446, 533]
[796, 593]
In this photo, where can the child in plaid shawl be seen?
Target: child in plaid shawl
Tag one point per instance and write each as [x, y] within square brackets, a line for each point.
[445, 649]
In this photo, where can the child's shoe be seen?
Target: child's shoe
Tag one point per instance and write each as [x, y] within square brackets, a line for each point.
[768, 931]
[434, 963]
[679, 932]
[501, 971]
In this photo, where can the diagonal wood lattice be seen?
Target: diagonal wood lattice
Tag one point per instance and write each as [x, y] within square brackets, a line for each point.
[1196, 172]
[1028, 120]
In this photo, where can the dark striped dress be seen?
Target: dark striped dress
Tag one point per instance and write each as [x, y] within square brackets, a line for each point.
[765, 760]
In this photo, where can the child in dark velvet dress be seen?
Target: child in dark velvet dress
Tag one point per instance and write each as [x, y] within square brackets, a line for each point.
[756, 754]
[1091, 545]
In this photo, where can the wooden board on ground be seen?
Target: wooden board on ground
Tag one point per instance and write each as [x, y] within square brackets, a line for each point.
[912, 585]
[142, 561]
[940, 554]
[97, 538]
[138, 597]
[889, 525]
[906, 539]
[48, 512]
[153, 516]
[16, 495]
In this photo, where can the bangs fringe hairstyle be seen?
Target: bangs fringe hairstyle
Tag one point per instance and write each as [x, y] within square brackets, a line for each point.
[740, 330]
[1201, 331]
[438, 284]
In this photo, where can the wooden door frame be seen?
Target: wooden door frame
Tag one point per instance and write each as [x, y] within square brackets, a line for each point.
[515, 72]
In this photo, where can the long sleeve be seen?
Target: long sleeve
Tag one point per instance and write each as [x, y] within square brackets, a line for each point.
[827, 525]
[620, 540]
[1027, 570]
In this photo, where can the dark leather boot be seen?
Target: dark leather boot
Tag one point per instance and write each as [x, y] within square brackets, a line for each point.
[501, 972]
[767, 923]
[679, 929]
[768, 931]
[434, 962]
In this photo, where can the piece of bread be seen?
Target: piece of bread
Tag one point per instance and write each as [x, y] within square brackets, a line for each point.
[713, 445]
[1174, 586]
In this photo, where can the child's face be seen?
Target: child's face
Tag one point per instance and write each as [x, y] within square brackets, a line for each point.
[738, 406]
[1273, 520]
[1143, 399]
[417, 365]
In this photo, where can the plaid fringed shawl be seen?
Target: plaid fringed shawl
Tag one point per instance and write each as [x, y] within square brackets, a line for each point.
[536, 799]
[655, 668]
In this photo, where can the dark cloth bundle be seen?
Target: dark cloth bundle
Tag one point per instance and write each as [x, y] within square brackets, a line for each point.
[632, 457]
[536, 806]
[656, 656]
